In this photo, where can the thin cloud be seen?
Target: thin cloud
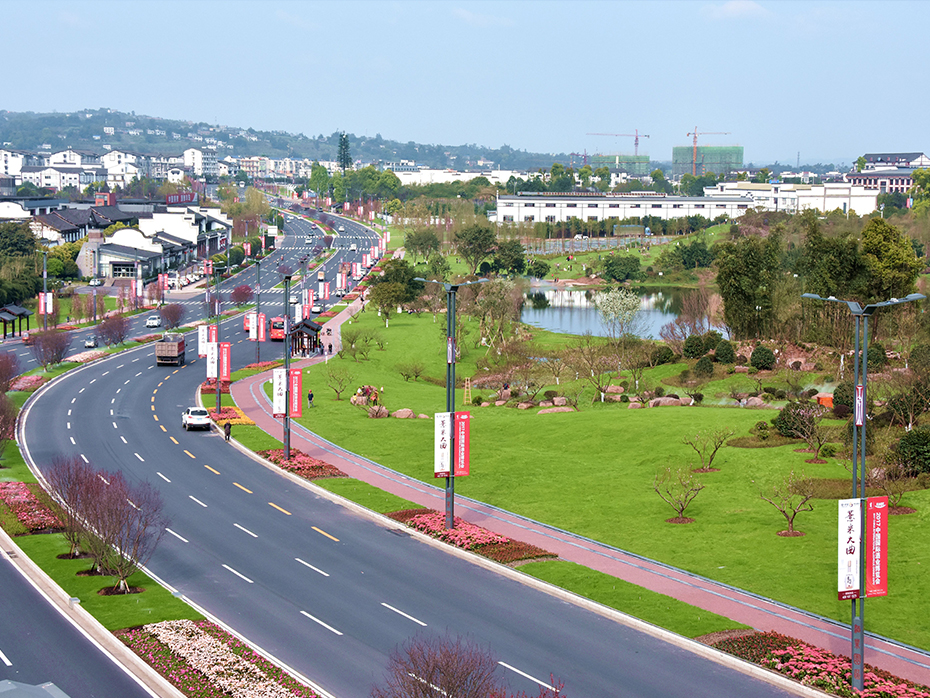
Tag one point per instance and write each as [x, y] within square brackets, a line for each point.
[480, 20]
[736, 9]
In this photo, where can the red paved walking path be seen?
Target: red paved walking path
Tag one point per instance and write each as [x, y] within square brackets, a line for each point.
[741, 606]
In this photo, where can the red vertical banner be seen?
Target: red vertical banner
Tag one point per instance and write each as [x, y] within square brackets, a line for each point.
[212, 332]
[41, 303]
[225, 361]
[209, 266]
[876, 546]
[306, 311]
[247, 248]
[261, 327]
[297, 389]
[326, 290]
[310, 297]
[462, 435]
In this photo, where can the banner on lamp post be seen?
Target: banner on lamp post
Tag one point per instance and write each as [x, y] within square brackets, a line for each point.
[326, 290]
[41, 303]
[850, 518]
[462, 437]
[247, 248]
[442, 444]
[876, 546]
[212, 359]
[139, 288]
[278, 390]
[253, 326]
[202, 340]
[859, 410]
[306, 310]
[225, 361]
[297, 389]
[212, 333]
[261, 327]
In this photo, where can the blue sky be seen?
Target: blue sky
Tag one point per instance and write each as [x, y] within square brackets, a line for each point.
[830, 80]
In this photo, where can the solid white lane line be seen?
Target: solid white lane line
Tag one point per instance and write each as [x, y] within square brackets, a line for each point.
[180, 538]
[527, 676]
[317, 620]
[243, 528]
[162, 476]
[405, 615]
[5, 660]
[84, 458]
[315, 569]
[238, 574]
[124, 439]
[197, 500]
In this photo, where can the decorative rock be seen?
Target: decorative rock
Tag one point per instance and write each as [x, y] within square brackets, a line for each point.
[550, 410]
[614, 388]
[560, 401]
[524, 405]
[378, 412]
[404, 413]
[615, 398]
[755, 402]
[664, 402]
[422, 416]
[359, 400]
[633, 406]
[546, 403]
[504, 395]
[685, 401]
[741, 369]
[485, 404]
[500, 403]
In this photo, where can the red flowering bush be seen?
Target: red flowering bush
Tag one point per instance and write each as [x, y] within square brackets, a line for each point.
[327, 313]
[27, 383]
[145, 338]
[263, 366]
[208, 387]
[302, 464]
[233, 415]
[515, 551]
[30, 512]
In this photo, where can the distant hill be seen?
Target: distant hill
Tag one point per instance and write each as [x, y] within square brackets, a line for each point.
[92, 129]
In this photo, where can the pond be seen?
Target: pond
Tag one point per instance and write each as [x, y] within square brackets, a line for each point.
[573, 311]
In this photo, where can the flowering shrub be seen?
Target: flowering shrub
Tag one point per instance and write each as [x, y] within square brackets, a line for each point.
[815, 667]
[514, 551]
[145, 338]
[302, 464]
[86, 356]
[32, 513]
[263, 366]
[200, 659]
[327, 313]
[233, 415]
[27, 383]
[208, 387]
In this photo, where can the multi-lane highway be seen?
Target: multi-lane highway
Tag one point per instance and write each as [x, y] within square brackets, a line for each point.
[325, 590]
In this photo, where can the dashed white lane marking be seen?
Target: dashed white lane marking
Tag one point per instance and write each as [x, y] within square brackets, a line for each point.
[527, 676]
[81, 390]
[405, 615]
[243, 528]
[315, 569]
[197, 500]
[73, 442]
[242, 576]
[93, 381]
[101, 375]
[69, 411]
[84, 458]
[162, 476]
[123, 438]
[180, 538]
[114, 425]
[120, 366]
[137, 375]
[134, 360]
[118, 390]
[126, 382]
[73, 400]
[317, 620]
[139, 457]
[69, 424]
[111, 413]
[5, 660]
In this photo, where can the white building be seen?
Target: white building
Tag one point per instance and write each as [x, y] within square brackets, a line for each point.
[201, 161]
[12, 162]
[793, 198]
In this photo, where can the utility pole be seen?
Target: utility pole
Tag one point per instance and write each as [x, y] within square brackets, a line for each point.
[258, 307]
[287, 367]
[216, 302]
[45, 289]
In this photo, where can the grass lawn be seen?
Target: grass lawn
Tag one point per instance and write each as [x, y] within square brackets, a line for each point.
[591, 472]
[366, 495]
[115, 612]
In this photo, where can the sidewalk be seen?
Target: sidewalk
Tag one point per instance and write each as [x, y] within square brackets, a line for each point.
[741, 606]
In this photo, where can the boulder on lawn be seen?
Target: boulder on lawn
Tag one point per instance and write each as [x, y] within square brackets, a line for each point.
[504, 394]
[755, 402]
[615, 389]
[500, 403]
[358, 400]
[550, 410]
[546, 403]
[404, 413]
[741, 369]
[422, 416]
[633, 406]
[378, 412]
[664, 402]
[525, 405]
[560, 401]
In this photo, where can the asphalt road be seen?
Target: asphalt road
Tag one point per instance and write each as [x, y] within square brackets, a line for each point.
[329, 592]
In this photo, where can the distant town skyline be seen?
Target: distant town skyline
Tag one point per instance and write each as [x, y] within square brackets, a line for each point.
[782, 79]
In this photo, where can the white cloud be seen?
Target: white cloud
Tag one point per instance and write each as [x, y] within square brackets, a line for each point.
[736, 9]
[480, 20]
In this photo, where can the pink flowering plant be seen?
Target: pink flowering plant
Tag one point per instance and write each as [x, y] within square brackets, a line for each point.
[27, 383]
[302, 464]
[263, 365]
[233, 415]
[86, 356]
[30, 512]
[208, 387]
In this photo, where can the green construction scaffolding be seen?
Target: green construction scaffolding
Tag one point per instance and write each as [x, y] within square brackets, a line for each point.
[636, 165]
[719, 159]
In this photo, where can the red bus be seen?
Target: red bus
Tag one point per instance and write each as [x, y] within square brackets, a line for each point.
[277, 329]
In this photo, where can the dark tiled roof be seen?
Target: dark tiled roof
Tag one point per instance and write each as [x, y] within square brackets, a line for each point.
[78, 216]
[128, 252]
[111, 214]
[56, 222]
[172, 239]
[891, 157]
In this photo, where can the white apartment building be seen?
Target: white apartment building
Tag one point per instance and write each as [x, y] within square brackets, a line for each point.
[12, 162]
[793, 198]
[201, 161]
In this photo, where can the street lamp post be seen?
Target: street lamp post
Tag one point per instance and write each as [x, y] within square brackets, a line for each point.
[451, 290]
[45, 289]
[258, 307]
[216, 305]
[860, 371]
[287, 366]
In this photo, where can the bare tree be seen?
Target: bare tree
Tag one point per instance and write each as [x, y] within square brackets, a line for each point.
[804, 421]
[242, 294]
[171, 315]
[338, 379]
[50, 347]
[113, 329]
[907, 396]
[706, 443]
[592, 362]
[71, 481]
[9, 370]
[8, 416]
[142, 523]
[556, 364]
[677, 488]
[791, 496]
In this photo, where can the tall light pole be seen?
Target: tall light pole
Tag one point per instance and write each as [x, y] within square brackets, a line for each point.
[45, 289]
[861, 370]
[216, 305]
[451, 290]
[258, 307]
[287, 365]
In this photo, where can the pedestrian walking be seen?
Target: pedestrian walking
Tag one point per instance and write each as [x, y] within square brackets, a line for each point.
[310, 397]
[227, 430]
[330, 347]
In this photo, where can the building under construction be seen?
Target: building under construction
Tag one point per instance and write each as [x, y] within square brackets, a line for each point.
[634, 165]
[719, 159]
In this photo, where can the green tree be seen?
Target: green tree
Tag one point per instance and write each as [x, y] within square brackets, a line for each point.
[421, 243]
[319, 178]
[344, 158]
[510, 257]
[438, 268]
[860, 163]
[748, 274]
[475, 243]
[388, 296]
[584, 175]
[762, 176]
[621, 267]
[538, 268]
[399, 272]
[603, 178]
[889, 256]
[16, 240]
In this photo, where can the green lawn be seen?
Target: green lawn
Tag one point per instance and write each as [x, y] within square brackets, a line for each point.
[591, 472]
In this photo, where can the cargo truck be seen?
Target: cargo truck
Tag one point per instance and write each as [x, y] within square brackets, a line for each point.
[169, 351]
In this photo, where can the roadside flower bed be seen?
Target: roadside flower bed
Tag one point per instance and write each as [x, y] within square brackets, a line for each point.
[22, 501]
[202, 660]
[145, 338]
[208, 387]
[302, 464]
[815, 667]
[328, 313]
[27, 383]
[86, 356]
[263, 366]
[233, 415]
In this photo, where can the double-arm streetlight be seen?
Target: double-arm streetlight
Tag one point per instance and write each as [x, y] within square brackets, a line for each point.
[286, 274]
[862, 315]
[451, 290]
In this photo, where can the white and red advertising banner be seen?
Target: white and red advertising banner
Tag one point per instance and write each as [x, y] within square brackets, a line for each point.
[850, 519]
[326, 290]
[859, 411]
[202, 340]
[212, 359]
[356, 270]
[213, 333]
[163, 282]
[309, 296]
[263, 243]
[387, 236]
[278, 392]
[365, 260]
[252, 321]
[43, 303]
[247, 247]
[297, 388]
[305, 311]
[225, 361]
[462, 435]
[139, 288]
[374, 251]
[181, 198]
[876, 546]
[208, 266]
[320, 289]
[261, 327]
[303, 296]
[442, 444]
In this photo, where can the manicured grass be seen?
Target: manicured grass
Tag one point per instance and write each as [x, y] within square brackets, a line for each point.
[366, 495]
[633, 600]
[115, 612]
[254, 438]
[592, 472]
[12, 466]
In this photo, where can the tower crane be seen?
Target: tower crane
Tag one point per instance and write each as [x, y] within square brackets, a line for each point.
[694, 152]
[634, 136]
[583, 156]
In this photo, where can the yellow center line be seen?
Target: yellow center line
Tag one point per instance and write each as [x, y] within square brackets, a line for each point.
[324, 533]
[161, 384]
[162, 426]
[279, 508]
[153, 406]
[155, 391]
[153, 400]
[189, 453]
[175, 371]
[174, 440]
[245, 489]
[155, 415]
[217, 472]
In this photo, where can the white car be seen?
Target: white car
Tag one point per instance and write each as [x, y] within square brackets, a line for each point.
[95, 282]
[195, 418]
[317, 308]
[153, 321]
[342, 228]
[90, 342]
